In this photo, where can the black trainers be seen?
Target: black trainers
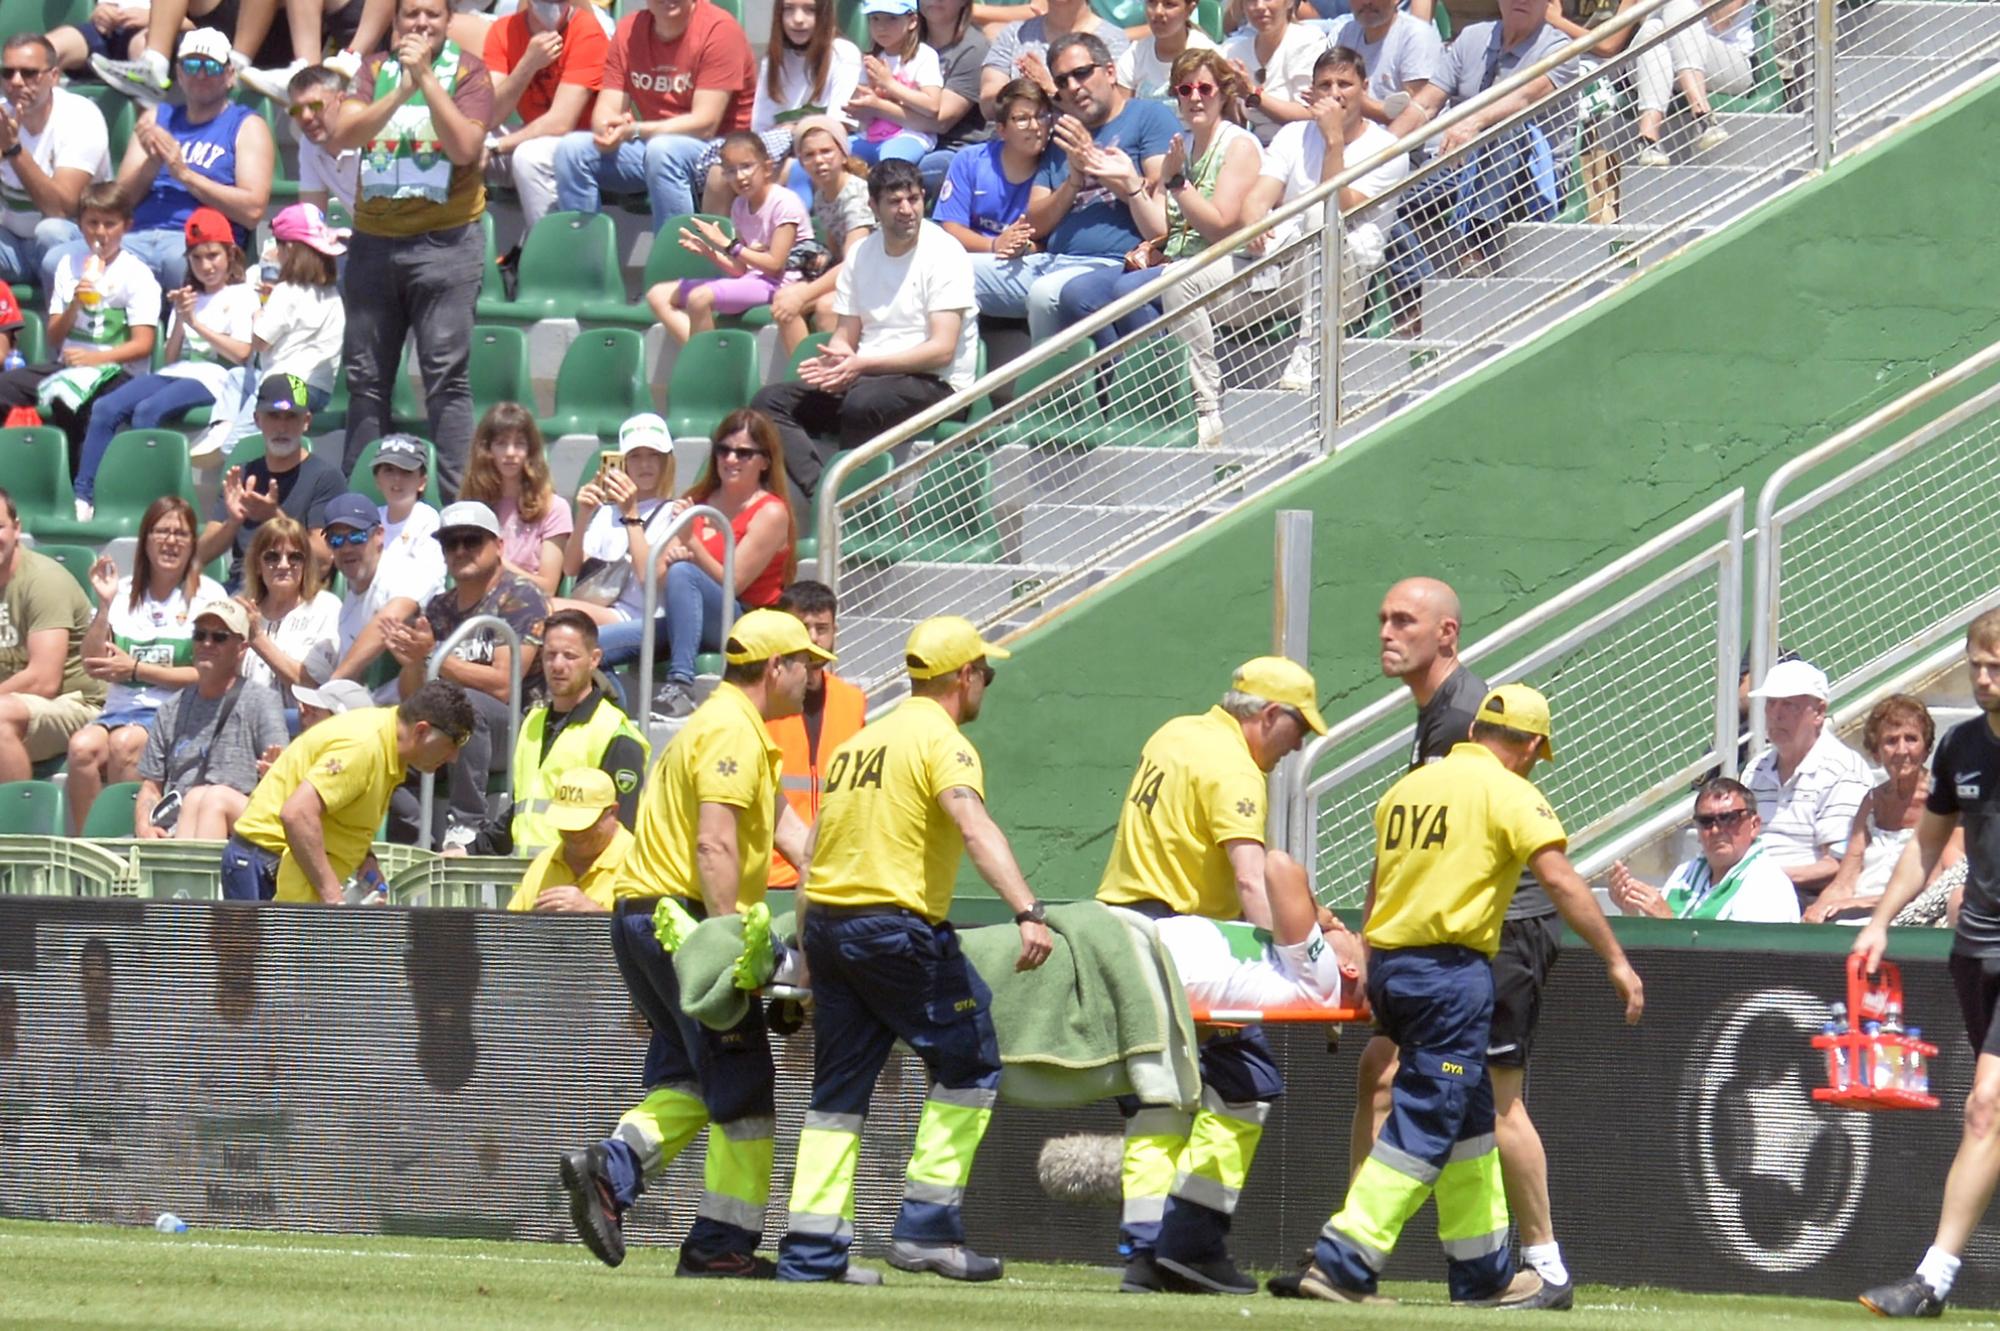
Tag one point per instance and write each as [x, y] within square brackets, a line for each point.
[673, 701]
[953, 1261]
[1217, 1276]
[1141, 1276]
[592, 1207]
[1550, 1298]
[725, 1266]
[1909, 1297]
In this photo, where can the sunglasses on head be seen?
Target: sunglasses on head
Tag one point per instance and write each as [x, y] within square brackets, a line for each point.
[284, 558]
[1197, 90]
[1073, 76]
[1726, 818]
[201, 64]
[341, 540]
[212, 637]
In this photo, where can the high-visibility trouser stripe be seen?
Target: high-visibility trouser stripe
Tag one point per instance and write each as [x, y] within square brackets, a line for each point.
[938, 1194]
[1154, 1140]
[1423, 1171]
[823, 1177]
[1221, 1143]
[1379, 1203]
[532, 807]
[948, 1137]
[660, 1126]
[796, 783]
[738, 1169]
[1472, 1204]
[731, 1211]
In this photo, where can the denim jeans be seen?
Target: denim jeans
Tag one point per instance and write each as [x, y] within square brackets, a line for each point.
[145, 402]
[663, 166]
[33, 258]
[903, 147]
[1030, 286]
[691, 623]
[1085, 295]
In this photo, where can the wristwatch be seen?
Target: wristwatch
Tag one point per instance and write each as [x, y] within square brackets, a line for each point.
[1036, 913]
[1254, 98]
[631, 522]
[11, 152]
[1177, 182]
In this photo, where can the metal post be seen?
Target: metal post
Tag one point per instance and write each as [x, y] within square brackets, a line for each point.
[1331, 248]
[1764, 620]
[439, 655]
[1728, 639]
[1823, 81]
[651, 575]
[1291, 623]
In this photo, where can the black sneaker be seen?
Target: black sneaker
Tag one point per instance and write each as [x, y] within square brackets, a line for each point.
[725, 1266]
[1218, 1276]
[673, 701]
[1909, 1297]
[592, 1207]
[953, 1261]
[1141, 1276]
[1550, 1298]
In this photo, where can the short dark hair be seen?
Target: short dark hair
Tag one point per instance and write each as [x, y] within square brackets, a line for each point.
[1023, 90]
[95, 949]
[104, 197]
[13, 513]
[311, 77]
[740, 673]
[890, 176]
[1092, 44]
[1341, 57]
[572, 619]
[743, 138]
[1723, 787]
[443, 706]
[806, 597]
[1507, 734]
[36, 40]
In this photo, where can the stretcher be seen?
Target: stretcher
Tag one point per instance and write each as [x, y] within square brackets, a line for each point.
[1294, 1014]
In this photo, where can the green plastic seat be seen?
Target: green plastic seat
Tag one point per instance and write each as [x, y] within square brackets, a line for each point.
[35, 462]
[950, 521]
[32, 338]
[1123, 13]
[1767, 92]
[111, 812]
[667, 262]
[362, 482]
[42, 16]
[77, 559]
[808, 348]
[1070, 414]
[569, 260]
[500, 370]
[716, 373]
[32, 808]
[873, 522]
[1152, 397]
[602, 382]
[1208, 17]
[139, 467]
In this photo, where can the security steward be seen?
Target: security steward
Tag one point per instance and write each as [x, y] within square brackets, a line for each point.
[578, 873]
[834, 710]
[1190, 841]
[707, 822]
[1451, 839]
[904, 797]
[578, 727]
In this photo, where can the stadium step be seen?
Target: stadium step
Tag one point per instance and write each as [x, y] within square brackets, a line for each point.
[1864, 81]
[1656, 195]
[1481, 302]
[1106, 477]
[1935, 29]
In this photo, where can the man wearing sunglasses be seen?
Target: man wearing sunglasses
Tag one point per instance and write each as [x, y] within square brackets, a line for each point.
[287, 479]
[52, 144]
[1732, 878]
[375, 594]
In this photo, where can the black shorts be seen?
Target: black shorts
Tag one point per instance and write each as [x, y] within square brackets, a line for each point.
[1528, 952]
[1977, 980]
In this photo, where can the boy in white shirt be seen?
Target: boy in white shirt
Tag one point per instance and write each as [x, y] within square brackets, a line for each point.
[411, 555]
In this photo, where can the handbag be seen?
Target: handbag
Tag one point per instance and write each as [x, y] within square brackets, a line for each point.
[167, 812]
[1146, 254]
[601, 581]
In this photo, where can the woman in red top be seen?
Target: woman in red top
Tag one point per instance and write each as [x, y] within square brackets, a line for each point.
[745, 479]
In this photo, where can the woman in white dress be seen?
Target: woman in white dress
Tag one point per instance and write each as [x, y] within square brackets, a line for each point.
[1898, 737]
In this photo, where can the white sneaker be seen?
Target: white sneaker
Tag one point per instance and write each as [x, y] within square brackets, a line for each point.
[344, 63]
[275, 84]
[145, 79]
[1208, 433]
[1298, 375]
[1653, 155]
[1712, 137]
[1395, 103]
[85, 510]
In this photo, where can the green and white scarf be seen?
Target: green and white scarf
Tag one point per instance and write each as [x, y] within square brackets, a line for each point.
[1703, 901]
[405, 160]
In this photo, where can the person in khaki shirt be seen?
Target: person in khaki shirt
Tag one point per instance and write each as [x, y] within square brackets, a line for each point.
[45, 696]
[576, 873]
[311, 821]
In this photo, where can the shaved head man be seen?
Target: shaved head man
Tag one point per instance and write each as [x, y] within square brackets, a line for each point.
[1420, 619]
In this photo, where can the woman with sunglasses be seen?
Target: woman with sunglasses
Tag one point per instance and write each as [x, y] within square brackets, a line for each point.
[291, 619]
[141, 644]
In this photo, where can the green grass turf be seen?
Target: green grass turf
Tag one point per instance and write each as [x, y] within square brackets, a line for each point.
[75, 1276]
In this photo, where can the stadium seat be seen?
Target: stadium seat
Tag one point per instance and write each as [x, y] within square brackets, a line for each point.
[666, 263]
[602, 381]
[363, 480]
[715, 374]
[1070, 414]
[1768, 91]
[35, 462]
[111, 812]
[139, 467]
[877, 519]
[808, 348]
[41, 15]
[32, 341]
[1152, 396]
[950, 521]
[405, 413]
[569, 260]
[1208, 15]
[31, 808]
[77, 559]
[500, 371]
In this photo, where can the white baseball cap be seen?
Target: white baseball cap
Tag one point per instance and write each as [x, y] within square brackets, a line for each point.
[646, 430]
[336, 696]
[1794, 679]
[206, 42]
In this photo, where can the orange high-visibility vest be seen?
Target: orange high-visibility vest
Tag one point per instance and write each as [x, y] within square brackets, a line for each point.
[846, 712]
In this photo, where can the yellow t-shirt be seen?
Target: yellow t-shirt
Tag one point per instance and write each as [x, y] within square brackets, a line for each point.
[722, 756]
[883, 839]
[550, 869]
[351, 761]
[1197, 787]
[1451, 839]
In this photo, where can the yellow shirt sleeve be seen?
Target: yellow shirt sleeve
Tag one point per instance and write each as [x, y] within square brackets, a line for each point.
[1234, 803]
[1527, 824]
[951, 761]
[345, 770]
[728, 766]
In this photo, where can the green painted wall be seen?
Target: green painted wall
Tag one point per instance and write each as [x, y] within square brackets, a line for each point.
[1701, 377]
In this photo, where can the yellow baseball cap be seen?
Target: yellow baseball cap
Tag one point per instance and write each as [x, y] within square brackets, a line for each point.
[763, 634]
[1278, 679]
[1518, 707]
[582, 796]
[942, 644]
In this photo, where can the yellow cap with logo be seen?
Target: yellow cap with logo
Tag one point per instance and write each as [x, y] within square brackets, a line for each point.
[763, 634]
[941, 645]
[1518, 707]
[1278, 679]
[581, 798]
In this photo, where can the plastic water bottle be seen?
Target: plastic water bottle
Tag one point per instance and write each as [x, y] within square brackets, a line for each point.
[1894, 1052]
[1837, 1065]
[15, 360]
[1917, 1073]
[169, 1223]
[1878, 1077]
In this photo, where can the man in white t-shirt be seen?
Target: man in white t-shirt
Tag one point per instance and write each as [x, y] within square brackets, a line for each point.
[1402, 53]
[1733, 878]
[1307, 152]
[374, 589]
[52, 144]
[324, 173]
[907, 336]
[1808, 784]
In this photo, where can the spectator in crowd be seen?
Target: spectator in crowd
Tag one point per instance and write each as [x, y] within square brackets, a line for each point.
[104, 314]
[1468, 205]
[768, 219]
[621, 516]
[745, 481]
[46, 696]
[809, 71]
[410, 553]
[678, 74]
[200, 760]
[1081, 205]
[208, 336]
[1145, 69]
[356, 25]
[961, 47]
[574, 873]
[547, 62]
[52, 144]
[1898, 738]
[116, 31]
[907, 336]
[841, 219]
[481, 664]
[11, 320]
[1712, 54]
[1211, 168]
[293, 619]
[983, 204]
[1600, 105]
[211, 153]
[1808, 784]
[1022, 49]
[1732, 878]
[1401, 53]
[285, 479]
[377, 592]
[577, 730]
[336, 697]
[325, 174]
[417, 256]
[901, 88]
[1301, 156]
[510, 475]
[1274, 58]
[834, 711]
[140, 643]
[312, 818]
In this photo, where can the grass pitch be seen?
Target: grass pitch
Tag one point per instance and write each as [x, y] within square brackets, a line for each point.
[75, 1276]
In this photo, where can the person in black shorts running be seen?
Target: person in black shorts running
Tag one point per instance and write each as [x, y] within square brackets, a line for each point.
[1965, 792]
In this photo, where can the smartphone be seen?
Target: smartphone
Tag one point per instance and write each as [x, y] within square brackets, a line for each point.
[610, 460]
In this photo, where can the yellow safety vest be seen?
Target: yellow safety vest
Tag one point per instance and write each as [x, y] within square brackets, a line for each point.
[536, 777]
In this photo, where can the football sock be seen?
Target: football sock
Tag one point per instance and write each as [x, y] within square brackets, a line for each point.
[1547, 1259]
[1939, 1268]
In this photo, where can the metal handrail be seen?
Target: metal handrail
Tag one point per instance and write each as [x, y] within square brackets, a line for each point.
[439, 655]
[682, 519]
